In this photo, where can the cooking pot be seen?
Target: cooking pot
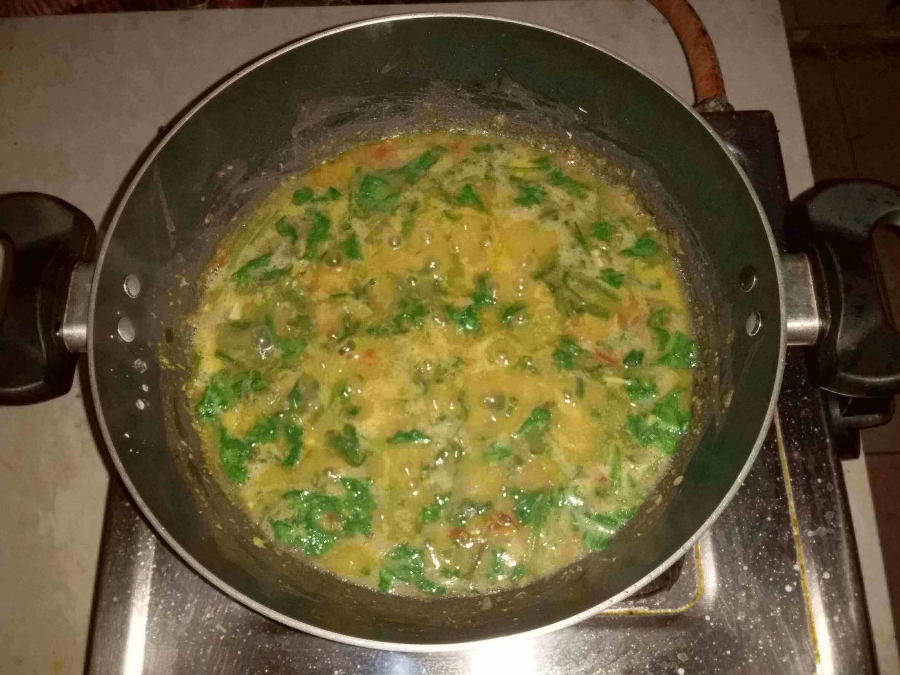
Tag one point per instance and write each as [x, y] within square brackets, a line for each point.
[315, 97]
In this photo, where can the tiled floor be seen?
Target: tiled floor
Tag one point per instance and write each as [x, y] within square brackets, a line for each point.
[846, 58]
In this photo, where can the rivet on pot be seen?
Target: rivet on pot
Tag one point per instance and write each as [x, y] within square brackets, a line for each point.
[126, 329]
[132, 286]
[754, 323]
[747, 278]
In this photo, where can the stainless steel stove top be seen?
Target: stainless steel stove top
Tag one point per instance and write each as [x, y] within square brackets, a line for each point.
[773, 587]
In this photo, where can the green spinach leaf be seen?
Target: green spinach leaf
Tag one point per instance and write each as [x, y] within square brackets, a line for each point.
[602, 230]
[318, 233]
[483, 295]
[414, 170]
[496, 452]
[612, 278]
[634, 358]
[286, 230]
[468, 197]
[351, 247]
[567, 184]
[640, 389]
[467, 320]
[566, 353]
[530, 195]
[407, 564]
[643, 247]
[409, 437]
[683, 353]
[346, 444]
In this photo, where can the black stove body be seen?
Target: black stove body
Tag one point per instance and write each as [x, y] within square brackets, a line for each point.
[773, 587]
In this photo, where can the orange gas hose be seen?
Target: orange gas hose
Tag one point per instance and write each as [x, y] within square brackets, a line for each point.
[709, 88]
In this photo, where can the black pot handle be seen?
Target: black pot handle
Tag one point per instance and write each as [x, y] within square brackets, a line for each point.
[42, 239]
[858, 354]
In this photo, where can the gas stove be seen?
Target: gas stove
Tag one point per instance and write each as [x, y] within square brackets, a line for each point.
[773, 586]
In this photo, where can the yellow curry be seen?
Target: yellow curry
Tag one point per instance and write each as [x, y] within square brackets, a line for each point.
[443, 363]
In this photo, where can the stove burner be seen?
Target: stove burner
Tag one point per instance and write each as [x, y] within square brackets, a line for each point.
[773, 587]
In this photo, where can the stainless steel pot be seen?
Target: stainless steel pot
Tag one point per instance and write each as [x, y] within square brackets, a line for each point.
[310, 99]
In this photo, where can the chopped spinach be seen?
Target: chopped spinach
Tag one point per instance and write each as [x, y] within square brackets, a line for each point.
[496, 452]
[377, 194]
[349, 326]
[222, 356]
[286, 230]
[410, 314]
[643, 247]
[346, 444]
[615, 469]
[639, 389]
[432, 512]
[517, 572]
[290, 348]
[577, 235]
[530, 195]
[248, 272]
[533, 430]
[351, 247]
[566, 354]
[245, 383]
[318, 519]
[512, 314]
[568, 185]
[330, 195]
[597, 529]
[537, 422]
[294, 437]
[357, 506]
[265, 431]
[409, 437]
[682, 352]
[602, 230]
[662, 429]
[657, 322]
[234, 453]
[215, 399]
[303, 196]
[532, 508]
[612, 277]
[407, 564]
[634, 358]
[306, 195]
[222, 392]
[274, 274]
[483, 295]
[318, 233]
[575, 293]
[415, 169]
[467, 320]
[495, 566]
[468, 197]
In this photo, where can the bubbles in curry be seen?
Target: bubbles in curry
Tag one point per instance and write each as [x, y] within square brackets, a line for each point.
[443, 364]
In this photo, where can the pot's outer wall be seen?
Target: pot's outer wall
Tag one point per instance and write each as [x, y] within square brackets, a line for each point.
[162, 233]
